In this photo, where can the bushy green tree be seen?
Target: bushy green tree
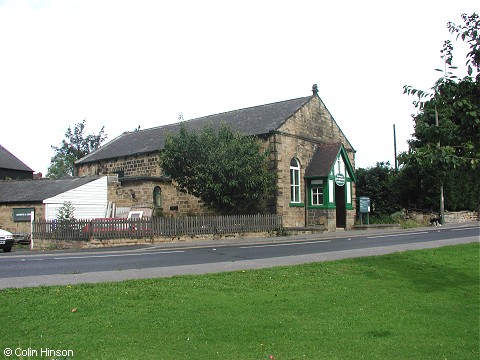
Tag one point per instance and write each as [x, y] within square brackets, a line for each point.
[446, 140]
[75, 146]
[462, 189]
[378, 184]
[417, 188]
[228, 171]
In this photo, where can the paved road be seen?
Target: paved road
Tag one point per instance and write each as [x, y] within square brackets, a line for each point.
[23, 269]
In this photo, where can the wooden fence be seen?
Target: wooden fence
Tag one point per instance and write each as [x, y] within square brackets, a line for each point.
[113, 228]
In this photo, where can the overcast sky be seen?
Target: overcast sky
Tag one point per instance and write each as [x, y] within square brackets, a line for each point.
[124, 64]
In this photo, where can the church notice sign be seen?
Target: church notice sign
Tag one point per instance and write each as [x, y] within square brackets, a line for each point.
[22, 214]
[340, 179]
[364, 204]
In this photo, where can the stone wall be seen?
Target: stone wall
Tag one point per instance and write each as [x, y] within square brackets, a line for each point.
[298, 137]
[138, 177]
[138, 165]
[139, 194]
[314, 123]
[65, 244]
[23, 227]
[286, 148]
[461, 217]
[322, 217]
[454, 217]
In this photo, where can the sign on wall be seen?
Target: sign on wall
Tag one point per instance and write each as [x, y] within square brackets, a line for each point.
[22, 214]
[340, 179]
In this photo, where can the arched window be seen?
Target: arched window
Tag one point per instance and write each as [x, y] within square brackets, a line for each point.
[294, 181]
[157, 197]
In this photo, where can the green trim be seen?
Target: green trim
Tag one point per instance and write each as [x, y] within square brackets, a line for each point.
[346, 160]
[329, 204]
[321, 207]
[296, 205]
[310, 186]
[342, 152]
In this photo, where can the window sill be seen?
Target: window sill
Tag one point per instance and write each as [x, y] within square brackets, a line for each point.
[297, 205]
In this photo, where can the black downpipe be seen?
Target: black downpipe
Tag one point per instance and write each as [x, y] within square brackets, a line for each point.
[305, 203]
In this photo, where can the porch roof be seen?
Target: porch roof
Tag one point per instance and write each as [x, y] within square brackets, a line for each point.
[324, 158]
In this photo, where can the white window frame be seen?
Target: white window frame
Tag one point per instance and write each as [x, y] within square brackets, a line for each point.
[157, 197]
[135, 215]
[316, 192]
[295, 182]
[316, 188]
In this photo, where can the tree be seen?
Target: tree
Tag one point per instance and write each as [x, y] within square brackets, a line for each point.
[469, 32]
[226, 170]
[66, 213]
[75, 146]
[447, 125]
[65, 220]
[378, 184]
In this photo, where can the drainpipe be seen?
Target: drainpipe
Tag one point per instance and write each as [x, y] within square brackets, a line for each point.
[305, 203]
[274, 202]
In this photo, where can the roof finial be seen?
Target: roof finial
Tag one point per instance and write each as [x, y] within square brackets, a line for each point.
[315, 89]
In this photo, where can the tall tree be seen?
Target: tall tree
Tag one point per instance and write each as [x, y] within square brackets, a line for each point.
[75, 146]
[228, 171]
[447, 125]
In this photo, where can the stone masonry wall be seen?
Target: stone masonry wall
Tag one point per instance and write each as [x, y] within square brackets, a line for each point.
[298, 138]
[139, 165]
[322, 217]
[94, 243]
[23, 227]
[461, 216]
[287, 148]
[139, 194]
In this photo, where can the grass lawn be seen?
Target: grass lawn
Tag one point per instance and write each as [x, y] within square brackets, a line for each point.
[413, 305]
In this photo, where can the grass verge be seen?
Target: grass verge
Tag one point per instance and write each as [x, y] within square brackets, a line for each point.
[413, 305]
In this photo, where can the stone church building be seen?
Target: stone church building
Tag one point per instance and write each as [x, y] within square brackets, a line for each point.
[311, 156]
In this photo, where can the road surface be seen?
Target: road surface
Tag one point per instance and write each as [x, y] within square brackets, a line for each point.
[24, 269]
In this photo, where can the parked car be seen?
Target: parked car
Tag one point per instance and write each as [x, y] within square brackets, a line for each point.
[6, 240]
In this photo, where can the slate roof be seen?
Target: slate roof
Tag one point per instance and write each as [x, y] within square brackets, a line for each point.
[38, 190]
[254, 120]
[323, 160]
[9, 161]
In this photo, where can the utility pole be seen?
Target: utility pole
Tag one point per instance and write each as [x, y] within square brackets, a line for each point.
[442, 199]
[395, 148]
